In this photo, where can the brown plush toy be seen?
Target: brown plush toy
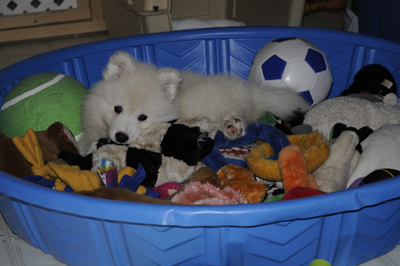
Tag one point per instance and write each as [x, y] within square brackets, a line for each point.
[57, 137]
[44, 162]
[202, 175]
[242, 179]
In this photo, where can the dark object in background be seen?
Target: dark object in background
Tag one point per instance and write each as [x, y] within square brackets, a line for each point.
[372, 79]
[379, 18]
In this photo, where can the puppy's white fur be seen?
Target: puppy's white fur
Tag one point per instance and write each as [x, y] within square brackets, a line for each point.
[146, 95]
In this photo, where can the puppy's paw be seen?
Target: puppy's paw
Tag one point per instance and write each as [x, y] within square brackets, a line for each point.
[233, 127]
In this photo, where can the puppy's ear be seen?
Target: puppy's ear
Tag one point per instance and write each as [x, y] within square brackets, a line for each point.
[118, 64]
[170, 79]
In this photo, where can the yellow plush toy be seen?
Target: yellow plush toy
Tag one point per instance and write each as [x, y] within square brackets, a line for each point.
[63, 174]
[314, 148]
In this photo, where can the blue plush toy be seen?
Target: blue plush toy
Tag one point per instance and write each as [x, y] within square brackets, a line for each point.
[131, 182]
[254, 131]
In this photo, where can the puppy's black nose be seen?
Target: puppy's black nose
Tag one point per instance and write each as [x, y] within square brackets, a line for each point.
[121, 137]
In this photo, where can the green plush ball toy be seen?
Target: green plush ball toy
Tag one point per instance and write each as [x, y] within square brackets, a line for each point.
[40, 100]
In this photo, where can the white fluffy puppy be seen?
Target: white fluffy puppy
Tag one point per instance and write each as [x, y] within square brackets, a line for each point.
[133, 96]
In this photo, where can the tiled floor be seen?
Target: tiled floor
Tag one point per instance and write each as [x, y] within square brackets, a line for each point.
[12, 52]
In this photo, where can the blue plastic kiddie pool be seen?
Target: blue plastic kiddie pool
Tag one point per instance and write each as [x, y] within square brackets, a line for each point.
[345, 228]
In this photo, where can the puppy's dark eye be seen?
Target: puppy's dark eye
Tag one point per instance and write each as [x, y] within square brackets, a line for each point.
[118, 109]
[142, 117]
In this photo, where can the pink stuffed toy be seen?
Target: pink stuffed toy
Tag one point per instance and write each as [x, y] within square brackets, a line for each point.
[196, 193]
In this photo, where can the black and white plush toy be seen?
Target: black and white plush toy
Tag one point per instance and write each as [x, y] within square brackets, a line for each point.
[168, 152]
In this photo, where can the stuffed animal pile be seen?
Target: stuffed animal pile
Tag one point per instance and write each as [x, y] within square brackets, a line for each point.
[362, 126]
[191, 162]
